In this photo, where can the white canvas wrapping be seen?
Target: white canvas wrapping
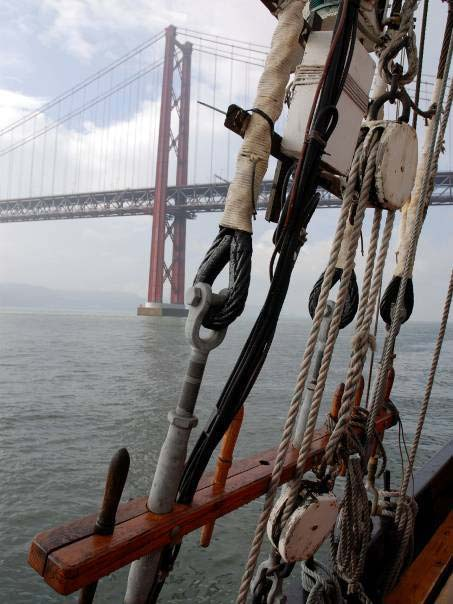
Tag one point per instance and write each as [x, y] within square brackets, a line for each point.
[254, 154]
[409, 210]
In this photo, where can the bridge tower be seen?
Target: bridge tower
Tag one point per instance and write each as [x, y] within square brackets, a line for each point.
[170, 229]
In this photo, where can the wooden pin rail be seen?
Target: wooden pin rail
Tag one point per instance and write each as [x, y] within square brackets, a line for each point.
[72, 556]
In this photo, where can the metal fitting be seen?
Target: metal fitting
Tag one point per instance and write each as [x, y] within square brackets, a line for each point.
[181, 421]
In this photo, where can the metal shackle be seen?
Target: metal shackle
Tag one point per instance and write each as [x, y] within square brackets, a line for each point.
[200, 298]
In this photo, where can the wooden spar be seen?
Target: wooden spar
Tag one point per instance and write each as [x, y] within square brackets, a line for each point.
[72, 556]
[224, 462]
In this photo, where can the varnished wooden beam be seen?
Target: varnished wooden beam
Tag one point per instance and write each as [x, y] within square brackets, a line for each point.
[71, 556]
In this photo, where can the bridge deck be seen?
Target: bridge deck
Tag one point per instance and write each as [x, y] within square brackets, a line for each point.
[190, 199]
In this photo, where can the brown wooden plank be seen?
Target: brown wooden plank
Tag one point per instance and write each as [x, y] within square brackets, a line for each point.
[446, 595]
[422, 581]
[55, 538]
[87, 558]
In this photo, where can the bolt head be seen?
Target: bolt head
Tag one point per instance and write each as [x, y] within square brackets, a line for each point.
[193, 296]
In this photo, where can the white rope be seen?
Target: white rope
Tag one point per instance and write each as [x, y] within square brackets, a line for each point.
[252, 161]
[429, 167]
[354, 530]
[320, 583]
[301, 380]
[361, 343]
[425, 403]
[371, 143]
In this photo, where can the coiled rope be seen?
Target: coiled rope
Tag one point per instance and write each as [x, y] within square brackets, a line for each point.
[349, 197]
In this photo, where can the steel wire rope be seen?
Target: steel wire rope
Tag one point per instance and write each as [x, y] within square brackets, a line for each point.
[420, 59]
[207, 35]
[248, 46]
[137, 110]
[197, 118]
[89, 104]
[237, 58]
[64, 95]
[213, 122]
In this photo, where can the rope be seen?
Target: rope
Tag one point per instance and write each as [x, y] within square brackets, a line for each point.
[301, 380]
[310, 348]
[335, 324]
[410, 257]
[403, 39]
[425, 403]
[361, 343]
[320, 583]
[354, 529]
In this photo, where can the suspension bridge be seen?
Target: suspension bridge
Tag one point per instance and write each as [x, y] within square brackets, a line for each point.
[132, 140]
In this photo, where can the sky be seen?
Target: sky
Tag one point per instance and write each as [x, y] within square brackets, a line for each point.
[48, 46]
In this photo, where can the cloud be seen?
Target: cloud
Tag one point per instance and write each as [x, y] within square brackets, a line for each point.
[113, 145]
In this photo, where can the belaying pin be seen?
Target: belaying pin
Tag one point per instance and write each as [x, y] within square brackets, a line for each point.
[105, 523]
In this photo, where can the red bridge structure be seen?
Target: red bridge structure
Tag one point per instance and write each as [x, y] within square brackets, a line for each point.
[45, 182]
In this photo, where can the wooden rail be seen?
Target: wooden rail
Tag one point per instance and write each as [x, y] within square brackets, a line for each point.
[72, 556]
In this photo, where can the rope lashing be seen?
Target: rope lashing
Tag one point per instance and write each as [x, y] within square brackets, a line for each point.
[404, 38]
[254, 153]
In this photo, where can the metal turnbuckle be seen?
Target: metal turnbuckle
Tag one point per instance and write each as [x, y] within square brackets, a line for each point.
[172, 456]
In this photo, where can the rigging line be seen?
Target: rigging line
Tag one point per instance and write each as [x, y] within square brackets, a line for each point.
[128, 117]
[373, 352]
[197, 118]
[54, 154]
[230, 95]
[137, 105]
[88, 105]
[235, 46]
[212, 118]
[64, 95]
[420, 59]
[199, 33]
[222, 56]
[427, 397]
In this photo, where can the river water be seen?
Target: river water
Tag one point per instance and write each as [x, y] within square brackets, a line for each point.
[74, 388]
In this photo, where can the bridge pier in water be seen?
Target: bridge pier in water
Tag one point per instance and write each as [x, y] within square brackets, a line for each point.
[168, 228]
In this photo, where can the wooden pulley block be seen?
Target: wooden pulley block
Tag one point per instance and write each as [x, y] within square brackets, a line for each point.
[396, 163]
[306, 529]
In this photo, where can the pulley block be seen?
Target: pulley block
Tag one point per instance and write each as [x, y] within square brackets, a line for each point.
[306, 529]
[396, 163]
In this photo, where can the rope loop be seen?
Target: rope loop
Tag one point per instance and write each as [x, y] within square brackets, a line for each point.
[352, 300]
[233, 247]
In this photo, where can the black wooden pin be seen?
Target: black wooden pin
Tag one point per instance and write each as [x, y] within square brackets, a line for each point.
[105, 523]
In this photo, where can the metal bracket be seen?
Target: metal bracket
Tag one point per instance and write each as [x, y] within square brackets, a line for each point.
[200, 299]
